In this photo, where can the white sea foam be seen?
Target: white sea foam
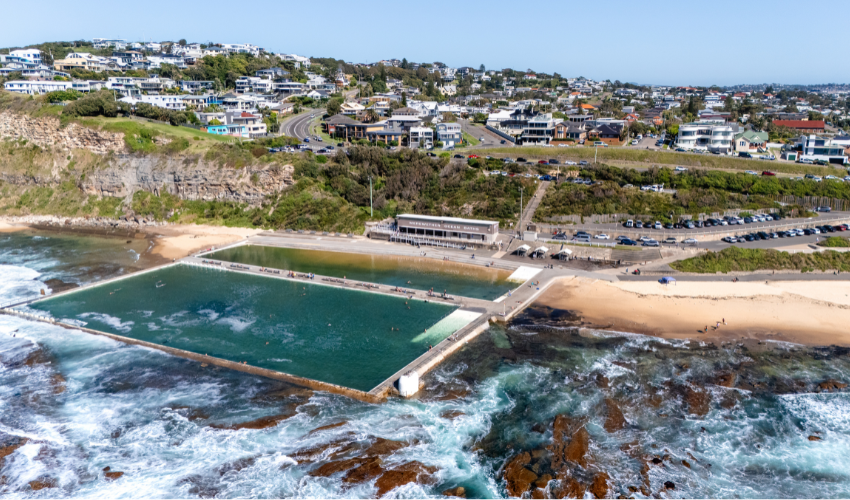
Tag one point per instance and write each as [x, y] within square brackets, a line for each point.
[114, 322]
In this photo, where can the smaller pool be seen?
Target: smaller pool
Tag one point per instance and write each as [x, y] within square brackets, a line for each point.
[406, 272]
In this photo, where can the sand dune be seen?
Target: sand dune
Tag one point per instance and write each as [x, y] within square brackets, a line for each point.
[813, 313]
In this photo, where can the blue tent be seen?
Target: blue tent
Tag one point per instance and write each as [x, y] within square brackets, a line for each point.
[667, 280]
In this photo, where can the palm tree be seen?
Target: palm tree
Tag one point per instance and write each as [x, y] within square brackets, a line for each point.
[372, 116]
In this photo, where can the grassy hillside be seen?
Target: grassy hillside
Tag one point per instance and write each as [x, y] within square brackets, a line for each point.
[660, 158]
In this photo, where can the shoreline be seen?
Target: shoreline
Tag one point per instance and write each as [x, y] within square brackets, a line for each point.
[798, 312]
[170, 242]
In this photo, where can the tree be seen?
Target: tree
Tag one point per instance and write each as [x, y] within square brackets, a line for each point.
[404, 99]
[334, 106]
[182, 42]
[371, 116]
[481, 68]
[449, 118]
[480, 118]
[215, 121]
[404, 63]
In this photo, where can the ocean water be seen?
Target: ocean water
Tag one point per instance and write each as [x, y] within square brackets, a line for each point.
[72, 404]
[288, 326]
[406, 272]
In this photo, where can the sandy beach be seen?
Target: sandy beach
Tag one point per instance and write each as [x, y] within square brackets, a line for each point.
[805, 312]
[176, 242]
[5, 227]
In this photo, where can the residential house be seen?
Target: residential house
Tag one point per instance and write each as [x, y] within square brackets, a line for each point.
[712, 137]
[298, 60]
[351, 108]
[403, 122]
[253, 123]
[750, 140]
[343, 127]
[272, 73]
[449, 134]
[608, 133]
[241, 48]
[194, 86]
[105, 43]
[538, 130]
[421, 136]
[35, 87]
[174, 102]
[80, 60]
[569, 130]
[816, 148]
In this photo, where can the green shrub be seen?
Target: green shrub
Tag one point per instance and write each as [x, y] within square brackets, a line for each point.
[101, 103]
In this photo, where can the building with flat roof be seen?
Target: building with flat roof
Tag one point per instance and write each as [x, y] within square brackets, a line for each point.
[449, 228]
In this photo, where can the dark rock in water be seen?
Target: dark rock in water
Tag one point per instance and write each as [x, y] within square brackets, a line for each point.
[9, 445]
[459, 492]
[569, 488]
[570, 442]
[407, 473]
[331, 468]
[58, 383]
[831, 385]
[113, 475]
[107, 469]
[698, 401]
[599, 486]
[260, 423]
[725, 380]
[543, 480]
[236, 466]
[452, 414]
[383, 447]
[326, 427]
[40, 484]
[615, 420]
[310, 454]
[57, 285]
[366, 471]
[686, 464]
[670, 485]
[517, 477]
[656, 461]
[539, 428]
[200, 486]
[601, 381]
[815, 438]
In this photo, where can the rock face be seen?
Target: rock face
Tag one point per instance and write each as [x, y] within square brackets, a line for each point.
[48, 132]
[615, 420]
[403, 474]
[517, 478]
[187, 179]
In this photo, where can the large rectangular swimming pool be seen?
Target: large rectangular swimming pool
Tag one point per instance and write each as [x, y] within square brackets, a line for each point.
[407, 272]
[351, 338]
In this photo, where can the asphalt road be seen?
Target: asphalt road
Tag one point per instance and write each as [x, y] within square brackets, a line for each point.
[491, 140]
[297, 126]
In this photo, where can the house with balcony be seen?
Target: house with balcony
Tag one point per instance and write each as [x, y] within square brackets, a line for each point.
[449, 134]
[815, 148]
[539, 130]
[567, 130]
[421, 137]
[253, 125]
[707, 137]
[195, 86]
[80, 60]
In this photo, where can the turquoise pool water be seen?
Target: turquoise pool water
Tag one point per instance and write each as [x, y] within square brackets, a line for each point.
[346, 337]
[421, 273]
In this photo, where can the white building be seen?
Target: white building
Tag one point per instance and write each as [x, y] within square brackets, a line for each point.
[298, 60]
[36, 87]
[816, 148]
[241, 48]
[423, 136]
[103, 43]
[174, 102]
[29, 55]
[713, 138]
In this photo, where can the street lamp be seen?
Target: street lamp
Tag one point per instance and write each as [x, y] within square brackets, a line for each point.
[520, 211]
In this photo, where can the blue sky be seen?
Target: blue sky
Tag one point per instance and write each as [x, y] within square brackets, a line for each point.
[663, 42]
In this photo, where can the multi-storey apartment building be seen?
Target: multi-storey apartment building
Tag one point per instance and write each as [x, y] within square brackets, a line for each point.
[713, 138]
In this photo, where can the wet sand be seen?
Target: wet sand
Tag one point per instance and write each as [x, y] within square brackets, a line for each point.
[810, 313]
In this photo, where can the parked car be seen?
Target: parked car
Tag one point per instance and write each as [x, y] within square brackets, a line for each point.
[628, 242]
[460, 157]
[690, 241]
[671, 241]
[553, 162]
[542, 162]
[681, 169]
[521, 160]
[583, 162]
[768, 172]
[602, 237]
[306, 139]
[650, 243]
[744, 154]
[823, 209]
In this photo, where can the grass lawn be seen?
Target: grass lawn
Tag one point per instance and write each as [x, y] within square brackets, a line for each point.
[137, 133]
[755, 259]
[472, 141]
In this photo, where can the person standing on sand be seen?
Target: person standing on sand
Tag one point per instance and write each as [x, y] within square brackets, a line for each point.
[724, 321]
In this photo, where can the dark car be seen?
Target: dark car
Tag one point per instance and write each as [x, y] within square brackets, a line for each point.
[808, 232]
[744, 154]
[628, 242]
[829, 228]
[749, 237]
[583, 162]
[460, 157]
[340, 145]
[668, 226]
[560, 236]
[763, 235]
[554, 162]
[521, 160]
[433, 155]
[502, 141]
[823, 209]
[306, 139]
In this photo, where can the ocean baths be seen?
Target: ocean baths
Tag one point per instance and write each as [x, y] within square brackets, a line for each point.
[286, 326]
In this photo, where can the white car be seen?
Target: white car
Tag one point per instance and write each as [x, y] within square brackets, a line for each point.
[635, 142]
[690, 241]
[751, 172]
[847, 178]
[681, 169]
[644, 238]
[832, 178]
[602, 237]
